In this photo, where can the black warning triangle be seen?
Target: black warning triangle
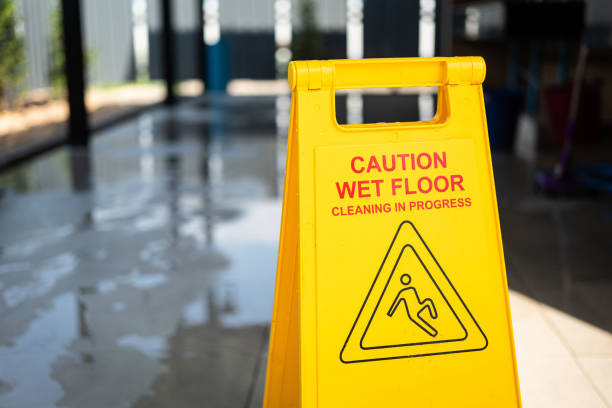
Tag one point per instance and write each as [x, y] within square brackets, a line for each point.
[412, 309]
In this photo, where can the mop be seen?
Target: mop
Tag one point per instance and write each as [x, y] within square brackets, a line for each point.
[563, 180]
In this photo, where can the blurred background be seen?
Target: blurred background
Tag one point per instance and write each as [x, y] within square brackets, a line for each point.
[142, 156]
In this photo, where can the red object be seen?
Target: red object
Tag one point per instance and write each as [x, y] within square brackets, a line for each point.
[588, 121]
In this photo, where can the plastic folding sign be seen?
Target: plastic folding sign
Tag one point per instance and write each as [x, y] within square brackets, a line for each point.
[391, 289]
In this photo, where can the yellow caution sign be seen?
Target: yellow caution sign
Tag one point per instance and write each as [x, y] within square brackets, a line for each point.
[391, 289]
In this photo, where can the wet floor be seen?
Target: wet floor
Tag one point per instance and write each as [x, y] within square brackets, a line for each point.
[141, 274]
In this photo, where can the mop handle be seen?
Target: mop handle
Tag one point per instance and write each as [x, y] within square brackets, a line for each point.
[574, 104]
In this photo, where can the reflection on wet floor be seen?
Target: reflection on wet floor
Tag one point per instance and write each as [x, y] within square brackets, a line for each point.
[142, 273]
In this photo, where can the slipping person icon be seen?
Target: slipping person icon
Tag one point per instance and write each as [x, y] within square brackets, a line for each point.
[409, 296]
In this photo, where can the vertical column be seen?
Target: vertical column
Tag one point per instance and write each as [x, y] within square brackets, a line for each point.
[200, 50]
[427, 48]
[78, 129]
[444, 25]
[427, 28]
[140, 33]
[354, 50]
[282, 36]
[168, 51]
[354, 29]
[216, 69]
[212, 26]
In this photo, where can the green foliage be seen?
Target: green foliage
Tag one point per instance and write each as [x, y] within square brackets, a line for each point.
[12, 53]
[307, 43]
[57, 73]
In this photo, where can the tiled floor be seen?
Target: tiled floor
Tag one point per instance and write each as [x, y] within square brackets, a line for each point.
[142, 274]
[563, 361]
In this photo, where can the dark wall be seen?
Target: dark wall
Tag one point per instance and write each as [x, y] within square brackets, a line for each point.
[250, 54]
[391, 28]
[382, 108]
[185, 55]
[334, 45]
